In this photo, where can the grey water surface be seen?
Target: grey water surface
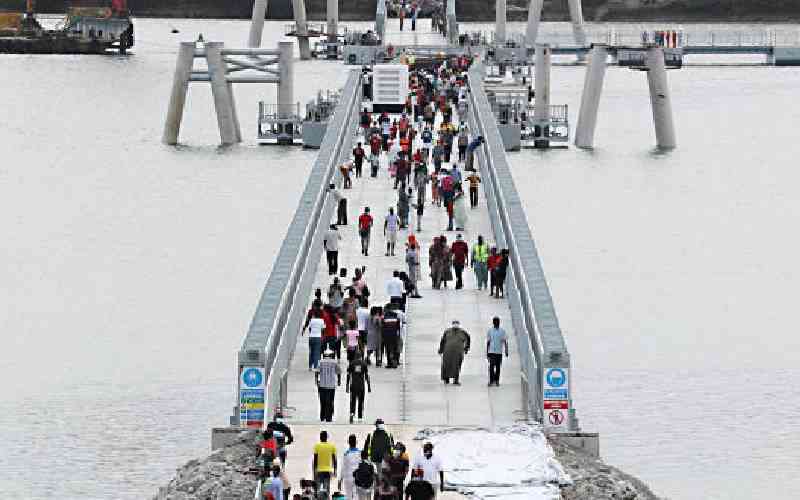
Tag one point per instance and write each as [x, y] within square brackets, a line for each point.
[131, 269]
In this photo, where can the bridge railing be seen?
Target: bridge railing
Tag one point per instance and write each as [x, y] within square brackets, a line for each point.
[271, 337]
[539, 338]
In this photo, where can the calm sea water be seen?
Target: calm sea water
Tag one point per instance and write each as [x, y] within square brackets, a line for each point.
[132, 269]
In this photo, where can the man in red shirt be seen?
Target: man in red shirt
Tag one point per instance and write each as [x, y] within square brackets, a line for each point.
[460, 251]
[493, 262]
[364, 229]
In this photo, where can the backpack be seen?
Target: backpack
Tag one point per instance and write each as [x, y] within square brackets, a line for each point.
[364, 475]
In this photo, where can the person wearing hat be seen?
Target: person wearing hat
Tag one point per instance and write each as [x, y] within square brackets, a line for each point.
[453, 347]
[460, 252]
[341, 205]
[283, 434]
[328, 377]
[431, 466]
[378, 445]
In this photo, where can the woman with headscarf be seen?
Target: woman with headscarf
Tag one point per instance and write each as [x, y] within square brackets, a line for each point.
[453, 347]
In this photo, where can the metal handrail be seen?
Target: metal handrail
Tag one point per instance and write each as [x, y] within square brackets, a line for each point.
[548, 346]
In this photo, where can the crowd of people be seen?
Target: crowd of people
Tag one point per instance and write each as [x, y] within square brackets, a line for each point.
[376, 471]
[426, 146]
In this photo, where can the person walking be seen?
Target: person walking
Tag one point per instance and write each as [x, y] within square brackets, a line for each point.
[358, 159]
[324, 463]
[328, 377]
[364, 477]
[463, 142]
[431, 465]
[374, 335]
[460, 252]
[492, 263]
[418, 488]
[412, 260]
[364, 229]
[390, 335]
[315, 328]
[378, 445]
[350, 461]
[394, 288]
[390, 227]
[283, 435]
[496, 341]
[331, 244]
[398, 463]
[357, 374]
[453, 347]
[460, 210]
[474, 179]
[500, 273]
[341, 205]
[403, 204]
[480, 254]
[475, 144]
[362, 318]
[420, 208]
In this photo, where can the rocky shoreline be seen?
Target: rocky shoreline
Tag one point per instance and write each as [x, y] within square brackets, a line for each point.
[228, 474]
[593, 479]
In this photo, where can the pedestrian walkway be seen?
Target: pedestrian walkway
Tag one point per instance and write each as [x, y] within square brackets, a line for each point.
[414, 393]
[423, 35]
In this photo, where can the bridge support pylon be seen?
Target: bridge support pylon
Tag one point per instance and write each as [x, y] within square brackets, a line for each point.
[500, 22]
[257, 23]
[534, 18]
[541, 111]
[590, 99]
[660, 99]
[301, 26]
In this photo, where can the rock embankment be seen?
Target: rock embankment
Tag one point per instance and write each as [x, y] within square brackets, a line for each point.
[225, 474]
[593, 479]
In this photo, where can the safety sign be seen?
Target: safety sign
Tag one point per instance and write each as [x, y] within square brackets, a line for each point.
[556, 384]
[556, 377]
[556, 418]
[251, 397]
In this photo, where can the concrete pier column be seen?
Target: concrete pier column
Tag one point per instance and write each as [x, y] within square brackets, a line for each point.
[659, 98]
[452, 23]
[301, 24]
[500, 22]
[220, 89]
[534, 18]
[576, 16]
[177, 99]
[541, 113]
[380, 20]
[286, 85]
[333, 19]
[257, 23]
[590, 99]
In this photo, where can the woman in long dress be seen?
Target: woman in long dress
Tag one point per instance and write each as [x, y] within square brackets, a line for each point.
[460, 211]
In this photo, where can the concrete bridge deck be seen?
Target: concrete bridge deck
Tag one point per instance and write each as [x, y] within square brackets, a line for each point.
[414, 393]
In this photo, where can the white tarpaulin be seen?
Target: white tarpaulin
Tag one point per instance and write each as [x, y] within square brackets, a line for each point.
[511, 463]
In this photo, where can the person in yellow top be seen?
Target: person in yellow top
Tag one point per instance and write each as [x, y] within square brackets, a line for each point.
[324, 463]
[480, 256]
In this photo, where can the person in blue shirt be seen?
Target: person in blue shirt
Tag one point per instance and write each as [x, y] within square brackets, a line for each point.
[496, 340]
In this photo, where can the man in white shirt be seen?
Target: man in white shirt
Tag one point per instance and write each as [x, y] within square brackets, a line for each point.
[394, 289]
[315, 328]
[362, 318]
[390, 228]
[331, 243]
[431, 466]
[350, 460]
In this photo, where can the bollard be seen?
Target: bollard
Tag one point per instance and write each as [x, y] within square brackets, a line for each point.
[590, 99]
[257, 23]
[177, 100]
[220, 89]
[541, 111]
[301, 25]
[286, 84]
[659, 98]
[500, 22]
[333, 20]
[534, 18]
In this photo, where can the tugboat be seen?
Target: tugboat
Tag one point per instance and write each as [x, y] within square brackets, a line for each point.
[85, 29]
